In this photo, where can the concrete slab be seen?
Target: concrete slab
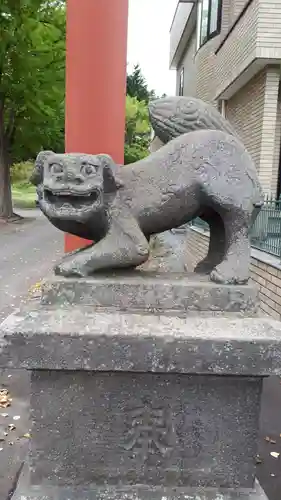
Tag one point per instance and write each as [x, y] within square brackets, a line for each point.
[146, 291]
[81, 339]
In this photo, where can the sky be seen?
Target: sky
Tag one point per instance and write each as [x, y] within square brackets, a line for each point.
[149, 42]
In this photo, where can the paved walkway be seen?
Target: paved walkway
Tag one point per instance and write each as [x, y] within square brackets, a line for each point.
[27, 252]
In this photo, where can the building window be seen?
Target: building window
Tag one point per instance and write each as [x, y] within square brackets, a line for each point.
[209, 19]
[222, 107]
[181, 86]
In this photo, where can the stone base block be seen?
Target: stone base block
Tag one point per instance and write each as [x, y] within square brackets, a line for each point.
[107, 429]
[146, 401]
[141, 291]
[138, 493]
[25, 491]
[82, 339]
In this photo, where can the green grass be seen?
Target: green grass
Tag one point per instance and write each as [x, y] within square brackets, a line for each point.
[24, 195]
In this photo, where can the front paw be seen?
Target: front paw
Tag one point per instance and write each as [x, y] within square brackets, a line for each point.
[69, 269]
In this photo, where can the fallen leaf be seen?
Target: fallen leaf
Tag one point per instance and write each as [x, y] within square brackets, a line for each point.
[274, 454]
[5, 415]
[272, 475]
[1, 449]
[11, 427]
[35, 289]
[270, 440]
[5, 399]
[27, 435]
[16, 417]
[258, 460]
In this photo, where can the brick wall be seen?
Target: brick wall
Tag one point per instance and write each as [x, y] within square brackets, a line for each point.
[249, 103]
[277, 148]
[205, 60]
[236, 7]
[238, 52]
[269, 28]
[190, 68]
[266, 276]
[268, 279]
[269, 123]
[260, 132]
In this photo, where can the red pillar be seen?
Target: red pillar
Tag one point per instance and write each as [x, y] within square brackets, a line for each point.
[95, 81]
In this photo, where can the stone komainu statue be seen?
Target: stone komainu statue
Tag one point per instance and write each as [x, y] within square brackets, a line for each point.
[201, 169]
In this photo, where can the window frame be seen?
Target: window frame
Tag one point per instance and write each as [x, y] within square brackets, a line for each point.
[214, 33]
[222, 106]
[181, 82]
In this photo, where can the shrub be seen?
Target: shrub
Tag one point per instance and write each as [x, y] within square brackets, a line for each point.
[21, 172]
[137, 136]
[24, 195]
[134, 153]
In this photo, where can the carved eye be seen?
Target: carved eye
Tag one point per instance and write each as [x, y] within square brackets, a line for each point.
[88, 169]
[56, 168]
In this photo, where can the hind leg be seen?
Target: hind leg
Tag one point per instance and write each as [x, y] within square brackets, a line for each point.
[216, 249]
[234, 268]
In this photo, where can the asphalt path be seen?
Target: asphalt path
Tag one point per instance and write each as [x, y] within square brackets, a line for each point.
[28, 250]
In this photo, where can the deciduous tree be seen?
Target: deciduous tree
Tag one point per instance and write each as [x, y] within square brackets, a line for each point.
[137, 130]
[32, 74]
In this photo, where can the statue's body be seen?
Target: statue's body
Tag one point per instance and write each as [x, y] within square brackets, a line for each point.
[206, 173]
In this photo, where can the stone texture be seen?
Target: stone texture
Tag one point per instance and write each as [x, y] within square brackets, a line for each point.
[81, 339]
[138, 494]
[26, 492]
[149, 291]
[158, 430]
[142, 405]
[176, 115]
[206, 173]
[167, 252]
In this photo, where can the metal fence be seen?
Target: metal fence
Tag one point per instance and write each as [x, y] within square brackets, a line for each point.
[266, 232]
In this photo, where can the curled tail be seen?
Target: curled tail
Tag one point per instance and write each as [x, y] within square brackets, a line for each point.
[171, 117]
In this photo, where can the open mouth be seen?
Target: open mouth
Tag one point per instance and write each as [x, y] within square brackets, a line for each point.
[67, 198]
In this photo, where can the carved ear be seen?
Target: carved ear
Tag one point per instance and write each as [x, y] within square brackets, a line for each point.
[110, 174]
[38, 171]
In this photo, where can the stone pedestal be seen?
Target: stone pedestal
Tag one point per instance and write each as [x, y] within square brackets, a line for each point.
[152, 292]
[142, 387]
